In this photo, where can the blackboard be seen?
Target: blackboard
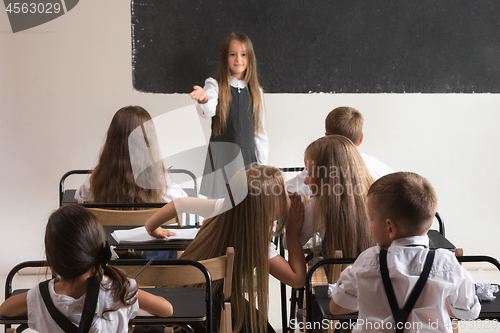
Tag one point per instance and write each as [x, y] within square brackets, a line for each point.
[332, 46]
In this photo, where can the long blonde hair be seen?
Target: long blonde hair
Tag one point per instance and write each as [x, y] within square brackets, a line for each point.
[224, 79]
[113, 178]
[340, 182]
[248, 227]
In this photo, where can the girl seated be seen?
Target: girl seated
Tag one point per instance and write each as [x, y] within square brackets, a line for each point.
[115, 179]
[260, 198]
[78, 254]
[339, 182]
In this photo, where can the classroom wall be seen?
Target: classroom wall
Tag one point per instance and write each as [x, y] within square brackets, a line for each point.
[61, 82]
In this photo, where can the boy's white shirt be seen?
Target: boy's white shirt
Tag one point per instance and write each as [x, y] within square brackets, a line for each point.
[361, 286]
[377, 169]
[208, 109]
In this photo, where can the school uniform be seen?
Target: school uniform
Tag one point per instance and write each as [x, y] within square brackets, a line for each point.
[376, 168]
[173, 190]
[361, 286]
[238, 137]
[116, 321]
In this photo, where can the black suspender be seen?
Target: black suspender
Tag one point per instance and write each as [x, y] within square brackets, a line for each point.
[401, 314]
[88, 308]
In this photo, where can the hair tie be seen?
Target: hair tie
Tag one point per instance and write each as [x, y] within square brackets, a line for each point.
[105, 256]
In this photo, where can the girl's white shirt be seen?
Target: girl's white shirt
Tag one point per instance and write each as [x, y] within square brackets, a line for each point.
[173, 190]
[208, 109]
[40, 320]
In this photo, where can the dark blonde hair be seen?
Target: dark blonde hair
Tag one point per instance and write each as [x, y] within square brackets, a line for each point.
[224, 79]
[407, 198]
[74, 242]
[113, 178]
[341, 181]
[248, 227]
[345, 121]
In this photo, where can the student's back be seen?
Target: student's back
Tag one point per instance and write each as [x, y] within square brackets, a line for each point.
[130, 169]
[40, 320]
[405, 260]
[402, 206]
[78, 254]
[339, 182]
[260, 197]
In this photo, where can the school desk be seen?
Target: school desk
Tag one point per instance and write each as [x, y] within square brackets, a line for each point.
[152, 245]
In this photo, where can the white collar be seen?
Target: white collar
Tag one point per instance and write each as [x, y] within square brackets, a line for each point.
[413, 240]
[237, 83]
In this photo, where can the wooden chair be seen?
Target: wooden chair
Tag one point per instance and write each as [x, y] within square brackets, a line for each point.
[67, 196]
[181, 273]
[109, 217]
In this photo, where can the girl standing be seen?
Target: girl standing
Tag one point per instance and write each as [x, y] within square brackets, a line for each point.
[77, 252]
[235, 102]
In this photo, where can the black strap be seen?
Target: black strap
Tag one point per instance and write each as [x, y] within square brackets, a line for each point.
[88, 308]
[401, 314]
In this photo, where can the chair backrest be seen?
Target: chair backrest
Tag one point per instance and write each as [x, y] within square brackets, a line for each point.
[108, 217]
[184, 275]
[337, 268]
[179, 276]
[43, 273]
[440, 223]
[340, 262]
[191, 192]
[63, 180]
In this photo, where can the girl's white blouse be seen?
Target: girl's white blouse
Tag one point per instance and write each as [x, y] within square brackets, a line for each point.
[207, 110]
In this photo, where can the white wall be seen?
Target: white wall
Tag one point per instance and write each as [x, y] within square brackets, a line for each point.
[60, 84]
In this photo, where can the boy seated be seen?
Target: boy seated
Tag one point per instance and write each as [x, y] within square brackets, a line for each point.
[402, 206]
[348, 122]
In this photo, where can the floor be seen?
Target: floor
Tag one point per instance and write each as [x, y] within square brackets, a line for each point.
[479, 273]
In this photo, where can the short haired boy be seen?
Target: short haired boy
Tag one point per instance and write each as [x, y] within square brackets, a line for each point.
[401, 206]
[348, 122]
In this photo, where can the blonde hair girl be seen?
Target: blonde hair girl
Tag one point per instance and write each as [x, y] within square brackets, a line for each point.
[113, 179]
[339, 181]
[248, 227]
[235, 101]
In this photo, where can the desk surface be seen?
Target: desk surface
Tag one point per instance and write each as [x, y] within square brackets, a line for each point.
[188, 303]
[153, 245]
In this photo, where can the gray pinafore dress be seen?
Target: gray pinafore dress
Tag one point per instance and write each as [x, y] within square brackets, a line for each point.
[223, 156]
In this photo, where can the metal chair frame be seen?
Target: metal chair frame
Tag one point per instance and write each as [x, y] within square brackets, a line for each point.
[192, 191]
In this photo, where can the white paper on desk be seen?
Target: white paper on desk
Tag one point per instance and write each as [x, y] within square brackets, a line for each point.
[141, 235]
